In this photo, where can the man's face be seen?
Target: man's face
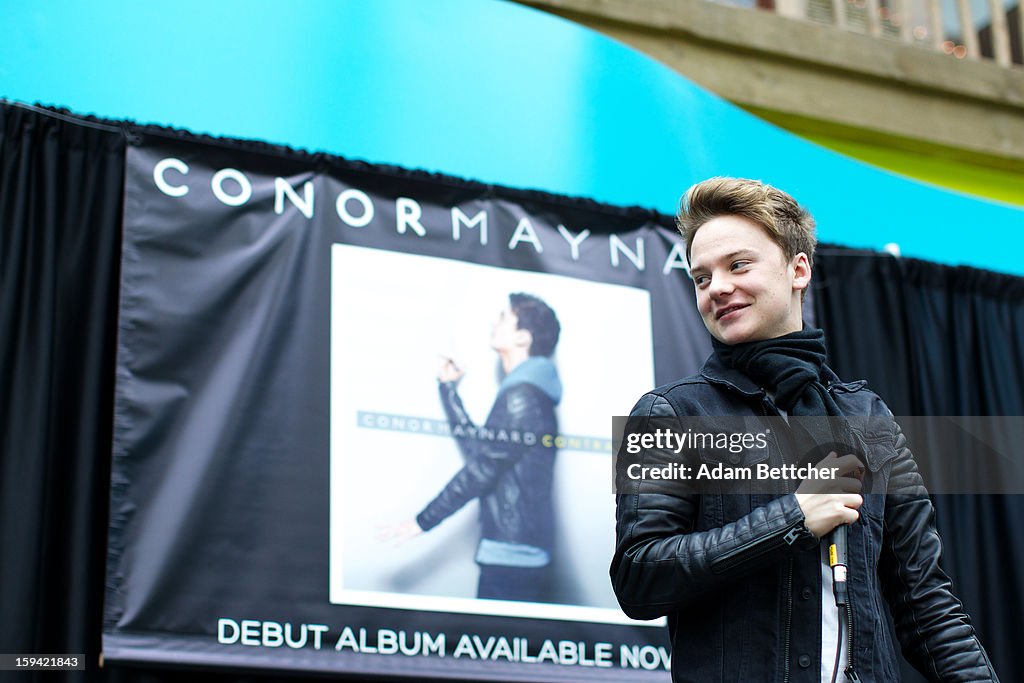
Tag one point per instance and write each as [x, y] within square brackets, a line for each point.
[506, 335]
[746, 289]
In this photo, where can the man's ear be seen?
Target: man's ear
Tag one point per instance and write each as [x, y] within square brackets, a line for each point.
[524, 338]
[801, 271]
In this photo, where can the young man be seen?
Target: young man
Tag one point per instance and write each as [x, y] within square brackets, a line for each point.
[743, 579]
[507, 465]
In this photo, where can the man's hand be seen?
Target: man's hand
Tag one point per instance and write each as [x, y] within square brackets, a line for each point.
[827, 503]
[450, 372]
[399, 532]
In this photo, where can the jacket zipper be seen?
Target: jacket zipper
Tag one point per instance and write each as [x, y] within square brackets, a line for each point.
[743, 553]
[851, 674]
[789, 616]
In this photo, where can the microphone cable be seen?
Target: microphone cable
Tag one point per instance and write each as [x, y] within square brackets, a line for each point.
[838, 560]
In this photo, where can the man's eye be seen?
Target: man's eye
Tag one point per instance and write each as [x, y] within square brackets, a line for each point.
[739, 264]
[701, 280]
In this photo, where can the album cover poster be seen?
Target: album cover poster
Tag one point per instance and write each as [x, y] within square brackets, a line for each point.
[393, 449]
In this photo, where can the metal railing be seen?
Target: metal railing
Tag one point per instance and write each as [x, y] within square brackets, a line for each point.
[965, 29]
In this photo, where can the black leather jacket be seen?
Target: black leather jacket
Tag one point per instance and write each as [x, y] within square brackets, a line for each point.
[508, 465]
[739, 577]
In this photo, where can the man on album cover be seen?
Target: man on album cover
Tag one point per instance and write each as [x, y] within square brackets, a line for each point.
[748, 588]
[507, 464]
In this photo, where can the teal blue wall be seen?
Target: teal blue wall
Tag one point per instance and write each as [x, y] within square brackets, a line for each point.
[475, 88]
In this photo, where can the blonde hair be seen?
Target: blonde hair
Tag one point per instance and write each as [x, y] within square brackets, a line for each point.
[786, 222]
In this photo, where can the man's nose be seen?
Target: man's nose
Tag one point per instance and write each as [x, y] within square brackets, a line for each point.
[720, 285]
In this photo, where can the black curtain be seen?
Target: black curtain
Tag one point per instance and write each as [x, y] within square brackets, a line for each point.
[60, 211]
[937, 340]
[921, 333]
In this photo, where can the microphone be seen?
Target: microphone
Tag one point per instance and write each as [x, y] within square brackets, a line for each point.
[838, 554]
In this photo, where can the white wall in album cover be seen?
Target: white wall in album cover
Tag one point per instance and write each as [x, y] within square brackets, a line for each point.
[394, 318]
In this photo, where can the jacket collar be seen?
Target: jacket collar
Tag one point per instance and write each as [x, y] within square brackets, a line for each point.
[717, 372]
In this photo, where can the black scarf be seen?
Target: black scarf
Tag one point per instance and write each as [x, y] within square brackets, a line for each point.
[789, 367]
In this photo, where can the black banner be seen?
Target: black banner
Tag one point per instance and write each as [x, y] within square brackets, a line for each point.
[279, 423]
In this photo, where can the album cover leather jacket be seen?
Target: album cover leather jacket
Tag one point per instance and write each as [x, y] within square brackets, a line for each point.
[507, 466]
[739, 576]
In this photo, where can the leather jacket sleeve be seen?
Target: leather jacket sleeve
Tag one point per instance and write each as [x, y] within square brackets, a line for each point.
[661, 561]
[935, 634]
[485, 459]
[458, 417]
